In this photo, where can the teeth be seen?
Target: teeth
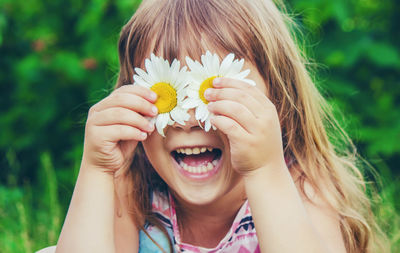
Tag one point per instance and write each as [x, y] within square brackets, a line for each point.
[196, 169]
[195, 151]
[188, 151]
[199, 169]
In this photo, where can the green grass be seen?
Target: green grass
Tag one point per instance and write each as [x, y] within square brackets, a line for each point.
[31, 216]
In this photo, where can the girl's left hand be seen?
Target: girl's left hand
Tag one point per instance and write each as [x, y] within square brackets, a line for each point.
[250, 121]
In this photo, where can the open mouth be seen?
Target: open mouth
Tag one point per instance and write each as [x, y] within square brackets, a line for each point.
[197, 160]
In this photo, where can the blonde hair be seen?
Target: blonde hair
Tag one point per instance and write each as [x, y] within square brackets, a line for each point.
[256, 30]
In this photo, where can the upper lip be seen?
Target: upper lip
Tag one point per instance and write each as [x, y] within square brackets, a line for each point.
[179, 139]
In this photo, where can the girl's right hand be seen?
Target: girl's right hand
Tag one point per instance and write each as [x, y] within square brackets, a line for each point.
[114, 127]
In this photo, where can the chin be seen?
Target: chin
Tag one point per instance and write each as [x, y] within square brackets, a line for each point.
[198, 195]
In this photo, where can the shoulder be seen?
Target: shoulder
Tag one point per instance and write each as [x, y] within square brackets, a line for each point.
[51, 249]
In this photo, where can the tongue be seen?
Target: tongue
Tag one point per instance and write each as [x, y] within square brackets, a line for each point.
[198, 160]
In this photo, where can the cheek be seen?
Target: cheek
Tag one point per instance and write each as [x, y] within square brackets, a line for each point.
[153, 147]
[261, 84]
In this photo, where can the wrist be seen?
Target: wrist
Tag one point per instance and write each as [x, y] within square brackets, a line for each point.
[91, 169]
[267, 173]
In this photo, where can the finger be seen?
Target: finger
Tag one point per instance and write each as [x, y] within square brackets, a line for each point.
[229, 127]
[236, 111]
[128, 101]
[122, 116]
[225, 82]
[139, 90]
[234, 94]
[115, 133]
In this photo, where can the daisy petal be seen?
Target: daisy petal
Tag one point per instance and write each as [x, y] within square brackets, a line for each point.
[192, 93]
[190, 63]
[140, 81]
[235, 67]
[190, 103]
[242, 75]
[201, 112]
[179, 115]
[162, 122]
[144, 75]
[226, 63]
[207, 125]
[214, 65]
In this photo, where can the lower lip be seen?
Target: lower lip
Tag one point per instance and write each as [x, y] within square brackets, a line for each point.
[198, 176]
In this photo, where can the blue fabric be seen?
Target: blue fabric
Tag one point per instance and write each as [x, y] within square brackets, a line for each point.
[146, 245]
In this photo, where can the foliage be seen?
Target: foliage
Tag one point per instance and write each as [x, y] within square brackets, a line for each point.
[58, 58]
[357, 43]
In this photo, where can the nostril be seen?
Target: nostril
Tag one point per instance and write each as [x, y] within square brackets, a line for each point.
[196, 127]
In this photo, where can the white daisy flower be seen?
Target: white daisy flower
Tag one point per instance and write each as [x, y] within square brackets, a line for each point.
[202, 76]
[168, 82]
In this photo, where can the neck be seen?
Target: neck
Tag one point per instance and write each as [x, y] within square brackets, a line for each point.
[206, 225]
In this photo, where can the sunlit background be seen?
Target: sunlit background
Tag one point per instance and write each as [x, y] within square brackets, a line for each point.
[57, 58]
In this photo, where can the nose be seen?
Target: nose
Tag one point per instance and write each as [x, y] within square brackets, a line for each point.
[190, 124]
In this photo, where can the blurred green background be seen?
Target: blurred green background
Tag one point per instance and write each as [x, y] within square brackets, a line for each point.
[57, 58]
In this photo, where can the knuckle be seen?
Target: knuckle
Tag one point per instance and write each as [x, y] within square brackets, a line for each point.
[90, 132]
[121, 130]
[89, 121]
[93, 109]
[231, 127]
[139, 103]
[137, 89]
[242, 96]
[118, 113]
[122, 88]
[118, 96]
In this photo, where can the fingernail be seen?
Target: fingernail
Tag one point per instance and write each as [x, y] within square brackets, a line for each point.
[207, 92]
[153, 95]
[217, 81]
[143, 135]
[154, 109]
[150, 126]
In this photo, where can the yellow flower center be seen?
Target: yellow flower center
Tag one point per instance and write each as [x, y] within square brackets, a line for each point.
[208, 83]
[167, 99]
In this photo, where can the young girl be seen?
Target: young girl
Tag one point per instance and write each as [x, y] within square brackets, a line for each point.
[275, 180]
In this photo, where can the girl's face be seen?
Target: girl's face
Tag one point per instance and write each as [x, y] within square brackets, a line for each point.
[196, 164]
